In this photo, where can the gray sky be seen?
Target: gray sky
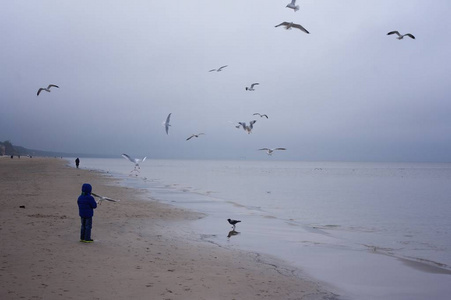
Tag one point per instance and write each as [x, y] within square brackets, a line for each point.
[346, 91]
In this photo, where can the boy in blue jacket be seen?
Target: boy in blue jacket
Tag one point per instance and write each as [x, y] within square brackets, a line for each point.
[86, 206]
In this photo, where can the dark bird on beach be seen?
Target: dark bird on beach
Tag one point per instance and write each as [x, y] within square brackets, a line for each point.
[47, 89]
[400, 37]
[233, 222]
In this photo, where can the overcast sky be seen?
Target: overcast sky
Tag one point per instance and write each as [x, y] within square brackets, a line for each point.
[346, 91]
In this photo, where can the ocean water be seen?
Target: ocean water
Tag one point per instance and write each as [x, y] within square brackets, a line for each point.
[369, 230]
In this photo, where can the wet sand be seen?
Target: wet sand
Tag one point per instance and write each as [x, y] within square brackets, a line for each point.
[140, 250]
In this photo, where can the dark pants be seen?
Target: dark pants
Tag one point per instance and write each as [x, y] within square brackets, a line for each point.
[86, 225]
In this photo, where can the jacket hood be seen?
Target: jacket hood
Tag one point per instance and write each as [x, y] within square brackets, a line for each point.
[86, 188]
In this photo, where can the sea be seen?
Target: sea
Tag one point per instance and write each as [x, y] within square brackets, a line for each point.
[366, 230]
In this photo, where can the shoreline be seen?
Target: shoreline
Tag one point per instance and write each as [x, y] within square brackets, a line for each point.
[139, 250]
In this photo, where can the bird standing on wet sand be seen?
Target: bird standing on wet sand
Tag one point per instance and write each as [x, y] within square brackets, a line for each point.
[47, 89]
[400, 37]
[233, 222]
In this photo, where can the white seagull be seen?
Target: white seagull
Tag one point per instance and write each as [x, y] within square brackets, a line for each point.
[218, 70]
[270, 151]
[293, 5]
[166, 123]
[102, 198]
[247, 128]
[136, 161]
[400, 37]
[194, 135]
[47, 89]
[289, 25]
[261, 116]
[251, 88]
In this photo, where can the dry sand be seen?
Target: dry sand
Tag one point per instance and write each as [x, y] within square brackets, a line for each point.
[138, 252]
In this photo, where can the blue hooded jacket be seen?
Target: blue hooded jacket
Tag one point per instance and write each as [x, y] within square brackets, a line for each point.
[86, 202]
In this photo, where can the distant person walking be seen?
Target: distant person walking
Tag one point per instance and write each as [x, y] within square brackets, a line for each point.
[86, 206]
[77, 162]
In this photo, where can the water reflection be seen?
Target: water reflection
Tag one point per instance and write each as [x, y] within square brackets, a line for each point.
[233, 232]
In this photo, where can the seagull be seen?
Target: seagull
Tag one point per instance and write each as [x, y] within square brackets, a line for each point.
[218, 70]
[47, 89]
[166, 123]
[252, 87]
[136, 161]
[247, 128]
[400, 37]
[293, 5]
[270, 151]
[261, 116]
[194, 135]
[289, 25]
[101, 198]
[233, 222]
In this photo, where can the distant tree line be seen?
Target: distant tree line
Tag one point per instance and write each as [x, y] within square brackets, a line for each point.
[7, 148]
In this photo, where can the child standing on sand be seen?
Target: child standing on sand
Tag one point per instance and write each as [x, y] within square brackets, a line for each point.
[86, 206]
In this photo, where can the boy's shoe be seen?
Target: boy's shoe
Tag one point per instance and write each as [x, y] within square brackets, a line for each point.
[88, 241]
[82, 241]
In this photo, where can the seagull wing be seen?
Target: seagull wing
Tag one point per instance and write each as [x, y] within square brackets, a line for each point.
[40, 90]
[104, 198]
[257, 114]
[266, 149]
[254, 84]
[53, 85]
[282, 24]
[293, 2]
[128, 157]
[298, 26]
[144, 159]
[280, 149]
[394, 32]
[212, 70]
[190, 137]
[266, 116]
[410, 35]
[220, 69]
[166, 124]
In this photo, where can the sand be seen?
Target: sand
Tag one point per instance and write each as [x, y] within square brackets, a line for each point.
[139, 252]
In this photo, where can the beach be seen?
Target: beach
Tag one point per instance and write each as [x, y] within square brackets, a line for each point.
[141, 249]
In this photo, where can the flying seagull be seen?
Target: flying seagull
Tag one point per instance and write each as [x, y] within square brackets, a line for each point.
[261, 116]
[194, 135]
[400, 37]
[136, 161]
[47, 89]
[233, 222]
[247, 128]
[218, 70]
[102, 198]
[166, 123]
[293, 5]
[289, 25]
[252, 87]
[270, 151]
